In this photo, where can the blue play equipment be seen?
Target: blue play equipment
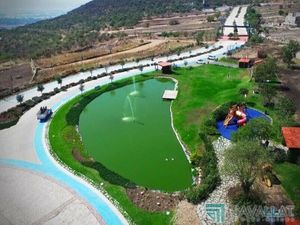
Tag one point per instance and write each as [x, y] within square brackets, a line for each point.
[232, 127]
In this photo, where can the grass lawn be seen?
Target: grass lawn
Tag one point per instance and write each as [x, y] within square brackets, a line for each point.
[228, 60]
[201, 90]
[289, 175]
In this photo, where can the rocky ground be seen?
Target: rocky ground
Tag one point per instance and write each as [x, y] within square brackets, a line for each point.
[219, 195]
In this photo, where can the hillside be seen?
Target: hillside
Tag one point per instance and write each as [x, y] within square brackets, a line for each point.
[84, 26]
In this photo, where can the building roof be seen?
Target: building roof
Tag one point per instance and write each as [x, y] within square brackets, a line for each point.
[244, 60]
[291, 136]
[164, 64]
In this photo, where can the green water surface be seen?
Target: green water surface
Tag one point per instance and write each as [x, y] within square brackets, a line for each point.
[131, 134]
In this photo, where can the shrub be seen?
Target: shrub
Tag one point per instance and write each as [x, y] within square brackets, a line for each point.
[56, 90]
[173, 22]
[37, 99]
[9, 123]
[278, 155]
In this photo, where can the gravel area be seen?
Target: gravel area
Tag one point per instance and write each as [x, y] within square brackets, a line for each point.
[219, 195]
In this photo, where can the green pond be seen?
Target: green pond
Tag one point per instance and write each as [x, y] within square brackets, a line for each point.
[129, 131]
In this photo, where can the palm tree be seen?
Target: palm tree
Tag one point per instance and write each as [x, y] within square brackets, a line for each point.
[81, 88]
[20, 98]
[40, 88]
[59, 80]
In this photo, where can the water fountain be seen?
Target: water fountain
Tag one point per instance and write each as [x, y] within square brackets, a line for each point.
[134, 92]
[125, 117]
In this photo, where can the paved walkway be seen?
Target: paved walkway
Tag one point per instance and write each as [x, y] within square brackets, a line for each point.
[38, 199]
[239, 18]
[23, 147]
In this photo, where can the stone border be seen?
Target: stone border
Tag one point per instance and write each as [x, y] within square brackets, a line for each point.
[183, 146]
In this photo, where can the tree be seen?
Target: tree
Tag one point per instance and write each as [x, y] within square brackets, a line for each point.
[268, 93]
[244, 161]
[122, 63]
[210, 19]
[81, 88]
[137, 61]
[285, 107]
[141, 68]
[199, 37]
[110, 48]
[106, 68]
[20, 98]
[40, 88]
[186, 63]
[266, 71]
[59, 80]
[255, 130]
[289, 51]
[178, 52]
[111, 77]
[287, 56]
[244, 92]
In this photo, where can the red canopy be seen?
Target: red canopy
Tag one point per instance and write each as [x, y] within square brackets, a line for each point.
[291, 136]
[164, 64]
[244, 60]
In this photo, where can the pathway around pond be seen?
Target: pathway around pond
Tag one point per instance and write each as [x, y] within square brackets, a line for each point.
[219, 195]
[28, 169]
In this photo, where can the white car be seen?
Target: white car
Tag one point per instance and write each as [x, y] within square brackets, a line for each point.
[200, 61]
[212, 57]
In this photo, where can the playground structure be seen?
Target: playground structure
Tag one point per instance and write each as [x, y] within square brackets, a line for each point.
[236, 111]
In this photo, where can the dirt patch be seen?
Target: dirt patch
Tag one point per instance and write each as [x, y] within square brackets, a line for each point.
[186, 214]
[14, 78]
[274, 196]
[156, 47]
[196, 115]
[291, 78]
[78, 156]
[152, 201]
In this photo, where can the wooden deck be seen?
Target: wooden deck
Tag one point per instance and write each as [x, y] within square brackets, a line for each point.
[170, 94]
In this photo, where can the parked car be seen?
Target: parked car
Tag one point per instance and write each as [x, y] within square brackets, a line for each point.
[212, 57]
[200, 61]
[44, 114]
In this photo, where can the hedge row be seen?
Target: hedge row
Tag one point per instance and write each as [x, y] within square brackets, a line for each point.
[210, 177]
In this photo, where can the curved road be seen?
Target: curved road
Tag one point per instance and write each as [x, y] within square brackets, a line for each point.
[35, 189]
